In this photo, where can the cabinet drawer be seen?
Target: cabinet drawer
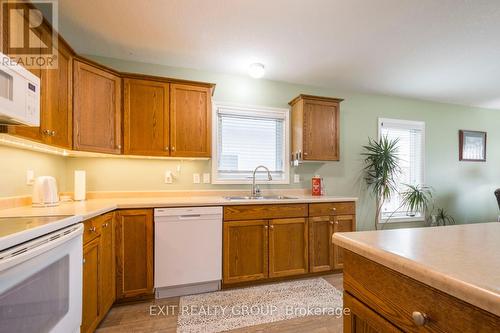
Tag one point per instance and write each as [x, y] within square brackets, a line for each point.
[396, 296]
[91, 229]
[251, 212]
[332, 208]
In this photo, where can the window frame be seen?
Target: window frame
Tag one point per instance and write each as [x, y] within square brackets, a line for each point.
[250, 110]
[414, 124]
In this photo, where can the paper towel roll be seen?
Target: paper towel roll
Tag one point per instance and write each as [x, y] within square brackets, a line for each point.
[79, 191]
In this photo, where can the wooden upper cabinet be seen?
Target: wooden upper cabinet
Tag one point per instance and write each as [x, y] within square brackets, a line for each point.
[245, 251]
[146, 117]
[134, 253]
[315, 128]
[190, 123]
[56, 101]
[288, 250]
[96, 109]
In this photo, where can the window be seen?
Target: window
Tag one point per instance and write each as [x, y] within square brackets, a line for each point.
[246, 137]
[411, 135]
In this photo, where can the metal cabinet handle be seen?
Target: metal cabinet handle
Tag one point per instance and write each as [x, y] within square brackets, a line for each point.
[265, 227]
[173, 148]
[46, 132]
[331, 222]
[53, 133]
[166, 148]
[336, 222]
[334, 209]
[119, 146]
[272, 227]
[420, 318]
[83, 261]
[105, 225]
[92, 229]
[305, 154]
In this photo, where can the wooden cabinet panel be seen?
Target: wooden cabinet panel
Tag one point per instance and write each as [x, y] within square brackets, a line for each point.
[362, 319]
[321, 135]
[96, 109]
[91, 290]
[332, 208]
[288, 248]
[91, 230]
[342, 223]
[146, 117]
[56, 101]
[190, 123]
[248, 212]
[107, 263]
[395, 297]
[134, 252]
[315, 128]
[320, 244]
[245, 251]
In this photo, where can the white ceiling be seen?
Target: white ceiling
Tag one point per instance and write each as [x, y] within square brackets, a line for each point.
[442, 50]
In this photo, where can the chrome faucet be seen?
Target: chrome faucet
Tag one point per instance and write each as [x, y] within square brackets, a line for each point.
[256, 189]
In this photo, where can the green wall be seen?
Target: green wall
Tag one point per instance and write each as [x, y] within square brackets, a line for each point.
[463, 188]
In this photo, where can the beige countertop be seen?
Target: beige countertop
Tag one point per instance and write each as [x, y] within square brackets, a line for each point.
[94, 207]
[460, 260]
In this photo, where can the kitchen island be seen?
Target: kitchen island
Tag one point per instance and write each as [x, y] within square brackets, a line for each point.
[439, 279]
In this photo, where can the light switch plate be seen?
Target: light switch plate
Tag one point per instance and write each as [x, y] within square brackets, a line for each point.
[196, 178]
[206, 178]
[296, 178]
[168, 177]
[30, 177]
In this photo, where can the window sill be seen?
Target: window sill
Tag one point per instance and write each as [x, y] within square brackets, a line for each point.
[402, 220]
[249, 182]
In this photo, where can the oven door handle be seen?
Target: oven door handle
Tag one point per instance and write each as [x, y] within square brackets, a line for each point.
[28, 250]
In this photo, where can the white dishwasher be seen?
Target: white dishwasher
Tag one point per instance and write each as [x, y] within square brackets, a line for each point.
[188, 250]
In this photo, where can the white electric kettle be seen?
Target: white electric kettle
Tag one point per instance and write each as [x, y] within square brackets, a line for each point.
[45, 192]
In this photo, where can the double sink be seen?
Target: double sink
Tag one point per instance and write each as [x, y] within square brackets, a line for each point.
[262, 197]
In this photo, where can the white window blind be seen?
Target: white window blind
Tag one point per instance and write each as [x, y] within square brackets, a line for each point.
[248, 137]
[411, 153]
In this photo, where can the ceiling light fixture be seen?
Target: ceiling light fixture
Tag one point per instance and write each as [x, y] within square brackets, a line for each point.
[256, 70]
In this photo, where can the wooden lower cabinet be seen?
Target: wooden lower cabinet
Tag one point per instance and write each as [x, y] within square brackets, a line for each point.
[98, 270]
[362, 319]
[341, 223]
[288, 250]
[264, 242]
[91, 276]
[134, 254]
[107, 263]
[383, 300]
[245, 251]
[320, 244]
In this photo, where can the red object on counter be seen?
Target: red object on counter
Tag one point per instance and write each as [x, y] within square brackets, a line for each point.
[316, 186]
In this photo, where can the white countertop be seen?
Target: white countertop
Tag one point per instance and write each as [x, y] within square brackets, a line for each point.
[94, 207]
[460, 260]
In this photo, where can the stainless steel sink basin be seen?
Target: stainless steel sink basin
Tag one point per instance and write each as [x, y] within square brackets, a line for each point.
[264, 197]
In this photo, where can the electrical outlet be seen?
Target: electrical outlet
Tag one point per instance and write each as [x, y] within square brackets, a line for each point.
[168, 177]
[206, 178]
[30, 177]
[296, 178]
[196, 178]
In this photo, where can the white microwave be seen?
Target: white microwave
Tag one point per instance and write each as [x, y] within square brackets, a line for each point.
[19, 94]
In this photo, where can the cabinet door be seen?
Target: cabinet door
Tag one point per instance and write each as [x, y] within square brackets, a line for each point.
[146, 118]
[288, 249]
[96, 109]
[320, 244]
[91, 290]
[56, 101]
[190, 123]
[321, 131]
[107, 262]
[245, 251]
[134, 253]
[342, 223]
[363, 319]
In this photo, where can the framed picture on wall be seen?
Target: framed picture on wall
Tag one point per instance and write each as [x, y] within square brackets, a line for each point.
[472, 146]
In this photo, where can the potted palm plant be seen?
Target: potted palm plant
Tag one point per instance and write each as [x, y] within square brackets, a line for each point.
[416, 199]
[381, 170]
